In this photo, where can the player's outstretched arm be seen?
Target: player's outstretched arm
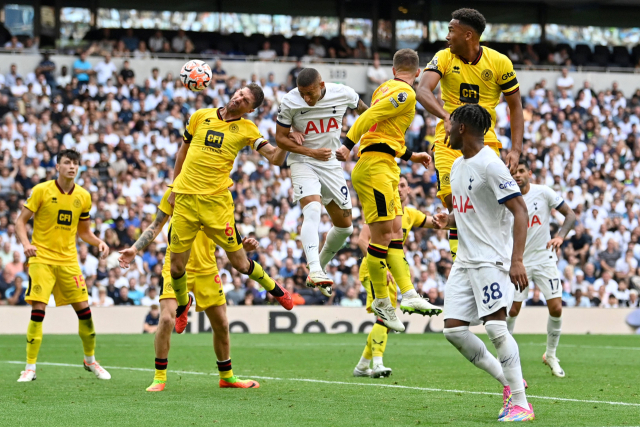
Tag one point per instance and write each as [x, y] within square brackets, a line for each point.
[443, 221]
[275, 155]
[362, 107]
[567, 226]
[517, 272]
[425, 96]
[85, 233]
[288, 143]
[517, 131]
[145, 239]
[21, 232]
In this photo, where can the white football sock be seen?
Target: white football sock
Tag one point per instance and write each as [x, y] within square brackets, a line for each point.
[554, 326]
[511, 323]
[30, 366]
[377, 360]
[309, 234]
[411, 293]
[509, 357]
[89, 359]
[474, 350]
[333, 243]
[363, 363]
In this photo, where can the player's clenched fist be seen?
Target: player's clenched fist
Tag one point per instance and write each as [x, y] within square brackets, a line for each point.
[30, 250]
[323, 154]
[343, 153]
[422, 158]
[250, 244]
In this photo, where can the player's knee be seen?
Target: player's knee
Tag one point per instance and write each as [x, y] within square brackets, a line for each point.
[312, 211]
[555, 311]
[167, 319]
[240, 264]
[456, 336]
[177, 270]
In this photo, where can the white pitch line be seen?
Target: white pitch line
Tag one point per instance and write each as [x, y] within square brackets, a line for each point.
[308, 380]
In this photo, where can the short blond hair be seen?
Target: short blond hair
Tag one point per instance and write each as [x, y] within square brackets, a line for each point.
[406, 60]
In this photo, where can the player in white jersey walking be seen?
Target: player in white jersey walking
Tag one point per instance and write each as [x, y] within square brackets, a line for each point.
[315, 110]
[481, 283]
[540, 257]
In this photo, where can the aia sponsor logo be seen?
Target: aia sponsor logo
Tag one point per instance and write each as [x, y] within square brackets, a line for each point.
[462, 205]
[321, 126]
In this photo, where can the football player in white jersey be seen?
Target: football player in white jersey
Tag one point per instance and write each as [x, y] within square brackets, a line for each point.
[487, 209]
[540, 257]
[315, 110]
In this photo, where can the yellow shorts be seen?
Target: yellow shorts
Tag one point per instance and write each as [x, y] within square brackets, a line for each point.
[65, 281]
[375, 178]
[207, 289]
[393, 293]
[211, 213]
[443, 158]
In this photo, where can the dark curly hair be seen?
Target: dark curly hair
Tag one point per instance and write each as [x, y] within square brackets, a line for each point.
[258, 95]
[471, 18]
[474, 116]
[524, 162]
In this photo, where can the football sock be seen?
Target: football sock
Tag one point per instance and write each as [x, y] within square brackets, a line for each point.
[453, 242]
[375, 259]
[309, 234]
[474, 350]
[179, 286]
[161, 369]
[34, 337]
[410, 293]
[364, 362]
[377, 360]
[399, 266]
[257, 273]
[509, 357]
[89, 359]
[366, 354]
[224, 368]
[333, 243]
[511, 323]
[86, 331]
[554, 326]
[378, 340]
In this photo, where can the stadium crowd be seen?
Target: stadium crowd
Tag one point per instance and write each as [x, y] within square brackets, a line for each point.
[128, 129]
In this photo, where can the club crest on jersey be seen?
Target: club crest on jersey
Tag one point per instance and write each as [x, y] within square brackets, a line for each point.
[234, 128]
[76, 203]
[331, 124]
[402, 96]
[486, 75]
[470, 182]
[535, 206]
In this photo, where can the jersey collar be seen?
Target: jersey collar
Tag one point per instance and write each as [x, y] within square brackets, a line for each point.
[475, 61]
[221, 119]
[400, 80]
[61, 190]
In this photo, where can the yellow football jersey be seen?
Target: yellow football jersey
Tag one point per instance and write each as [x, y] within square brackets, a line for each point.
[55, 223]
[202, 259]
[411, 218]
[478, 82]
[215, 144]
[393, 106]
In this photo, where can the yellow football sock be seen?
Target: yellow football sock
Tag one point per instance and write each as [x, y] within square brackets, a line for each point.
[179, 286]
[34, 336]
[161, 369]
[376, 255]
[257, 273]
[379, 335]
[453, 243]
[224, 368]
[367, 348]
[399, 266]
[86, 331]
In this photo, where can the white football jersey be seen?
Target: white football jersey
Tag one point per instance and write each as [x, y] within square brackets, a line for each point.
[479, 187]
[322, 123]
[540, 201]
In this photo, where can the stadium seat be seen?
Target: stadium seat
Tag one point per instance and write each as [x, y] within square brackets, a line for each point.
[601, 56]
[621, 56]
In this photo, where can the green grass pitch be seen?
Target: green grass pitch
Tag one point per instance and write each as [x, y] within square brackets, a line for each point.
[307, 380]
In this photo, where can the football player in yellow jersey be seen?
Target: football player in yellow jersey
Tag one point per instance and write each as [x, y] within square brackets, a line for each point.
[380, 131]
[377, 339]
[212, 140]
[61, 211]
[203, 280]
[468, 74]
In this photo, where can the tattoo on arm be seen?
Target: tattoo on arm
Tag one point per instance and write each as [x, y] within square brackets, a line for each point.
[362, 107]
[151, 232]
[346, 213]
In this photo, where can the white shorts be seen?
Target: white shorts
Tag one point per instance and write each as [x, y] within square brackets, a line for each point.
[547, 277]
[328, 183]
[473, 293]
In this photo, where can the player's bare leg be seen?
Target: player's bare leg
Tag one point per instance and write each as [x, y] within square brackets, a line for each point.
[162, 342]
[337, 235]
[222, 346]
[311, 211]
[244, 265]
[179, 285]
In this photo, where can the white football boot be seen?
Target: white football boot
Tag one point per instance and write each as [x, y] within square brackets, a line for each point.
[380, 371]
[385, 311]
[357, 372]
[27, 375]
[98, 370]
[419, 305]
[554, 364]
[320, 280]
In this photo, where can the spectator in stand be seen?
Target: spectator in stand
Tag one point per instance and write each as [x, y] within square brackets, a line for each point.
[82, 69]
[579, 300]
[47, 67]
[152, 320]
[141, 52]
[266, 53]
[156, 42]
[130, 40]
[434, 297]
[13, 44]
[318, 48]
[105, 70]
[351, 298]
[16, 293]
[14, 267]
[292, 77]
[376, 75]
[343, 50]
[535, 300]
[124, 299]
[609, 257]
[219, 75]
[179, 41]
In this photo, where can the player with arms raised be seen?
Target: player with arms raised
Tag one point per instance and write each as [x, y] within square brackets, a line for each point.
[468, 74]
[481, 282]
[212, 140]
[61, 211]
[316, 109]
[539, 261]
[377, 339]
[203, 280]
[380, 131]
